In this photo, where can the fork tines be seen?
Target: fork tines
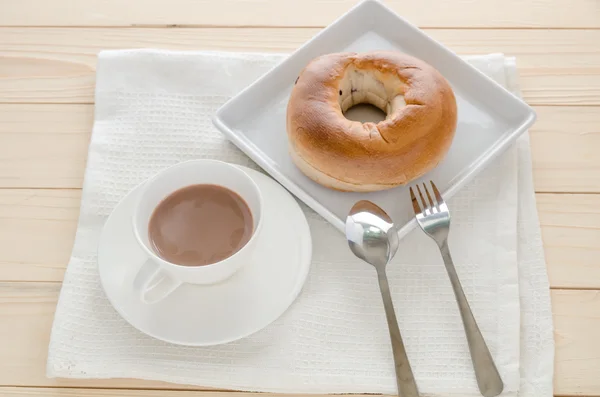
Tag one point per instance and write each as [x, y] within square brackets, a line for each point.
[426, 207]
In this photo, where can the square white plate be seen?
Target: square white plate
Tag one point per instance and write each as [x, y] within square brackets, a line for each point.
[489, 117]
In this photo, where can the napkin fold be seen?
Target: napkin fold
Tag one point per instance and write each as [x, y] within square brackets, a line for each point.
[153, 109]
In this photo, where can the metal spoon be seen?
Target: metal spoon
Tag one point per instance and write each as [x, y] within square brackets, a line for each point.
[373, 238]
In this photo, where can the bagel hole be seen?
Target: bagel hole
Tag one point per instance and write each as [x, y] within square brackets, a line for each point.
[365, 113]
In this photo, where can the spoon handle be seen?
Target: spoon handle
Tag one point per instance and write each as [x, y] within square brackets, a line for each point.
[407, 386]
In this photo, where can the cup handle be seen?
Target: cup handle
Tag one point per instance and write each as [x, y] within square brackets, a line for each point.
[152, 284]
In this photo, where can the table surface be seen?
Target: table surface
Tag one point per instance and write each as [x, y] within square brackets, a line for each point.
[47, 59]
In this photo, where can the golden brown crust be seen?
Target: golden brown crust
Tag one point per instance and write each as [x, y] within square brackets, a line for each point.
[410, 142]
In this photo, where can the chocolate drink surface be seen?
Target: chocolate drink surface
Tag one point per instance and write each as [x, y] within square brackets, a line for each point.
[199, 225]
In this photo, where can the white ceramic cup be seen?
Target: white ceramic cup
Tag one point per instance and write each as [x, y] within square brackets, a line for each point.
[157, 278]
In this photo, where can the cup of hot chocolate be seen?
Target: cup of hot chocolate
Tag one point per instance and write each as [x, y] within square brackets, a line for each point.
[198, 222]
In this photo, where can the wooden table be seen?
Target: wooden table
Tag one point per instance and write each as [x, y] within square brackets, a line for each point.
[47, 58]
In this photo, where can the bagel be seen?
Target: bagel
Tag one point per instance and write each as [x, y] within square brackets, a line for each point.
[347, 155]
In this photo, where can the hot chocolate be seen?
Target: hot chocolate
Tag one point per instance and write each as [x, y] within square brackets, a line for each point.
[199, 225]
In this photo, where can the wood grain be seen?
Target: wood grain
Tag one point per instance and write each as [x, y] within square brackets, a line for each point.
[50, 65]
[82, 392]
[37, 229]
[571, 233]
[564, 148]
[26, 311]
[47, 220]
[576, 328]
[46, 146]
[462, 13]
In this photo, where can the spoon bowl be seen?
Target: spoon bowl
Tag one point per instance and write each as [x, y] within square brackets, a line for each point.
[371, 234]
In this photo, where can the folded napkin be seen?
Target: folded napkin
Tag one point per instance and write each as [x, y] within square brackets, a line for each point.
[153, 109]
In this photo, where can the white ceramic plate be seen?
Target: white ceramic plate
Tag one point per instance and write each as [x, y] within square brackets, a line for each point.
[489, 117]
[202, 315]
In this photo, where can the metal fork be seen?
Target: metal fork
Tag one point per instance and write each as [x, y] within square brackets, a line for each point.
[434, 218]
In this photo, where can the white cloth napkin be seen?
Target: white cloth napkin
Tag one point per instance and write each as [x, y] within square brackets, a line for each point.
[153, 109]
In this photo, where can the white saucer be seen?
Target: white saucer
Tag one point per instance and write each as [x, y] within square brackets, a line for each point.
[197, 315]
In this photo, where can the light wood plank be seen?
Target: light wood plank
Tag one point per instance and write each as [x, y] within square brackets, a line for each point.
[576, 328]
[41, 65]
[46, 146]
[47, 220]
[564, 148]
[79, 392]
[571, 233]
[490, 13]
[37, 229]
[26, 312]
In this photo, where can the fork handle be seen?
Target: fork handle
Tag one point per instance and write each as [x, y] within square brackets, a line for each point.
[488, 379]
[407, 387]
